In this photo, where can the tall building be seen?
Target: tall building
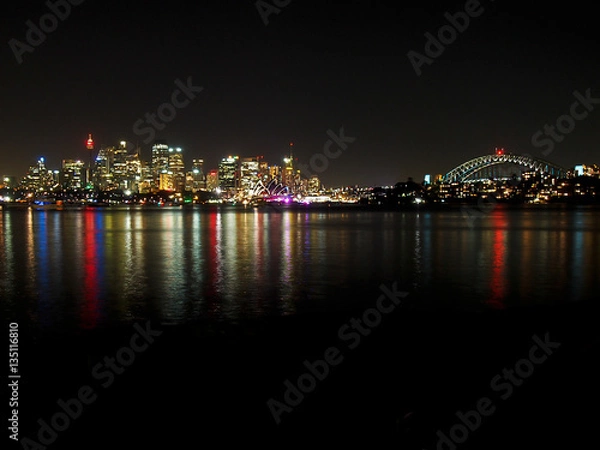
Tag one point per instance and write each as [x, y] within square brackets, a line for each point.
[159, 160]
[288, 175]
[176, 167]
[212, 180]
[249, 174]
[229, 173]
[147, 179]
[73, 174]
[314, 185]
[102, 169]
[89, 144]
[195, 179]
[275, 173]
[119, 166]
[39, 178]
[133, 171]
[263, 171]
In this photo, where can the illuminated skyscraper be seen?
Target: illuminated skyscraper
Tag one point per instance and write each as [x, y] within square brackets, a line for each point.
[263, 171]
[39, 178]
[102, 170]
[72, 175]
[160, 160]
[314, 185]
[195, 179]
[288, 175]
[133, 170]
[176, 167]
[249, 173]
[119, 168]
[229, 173]
[212, 180]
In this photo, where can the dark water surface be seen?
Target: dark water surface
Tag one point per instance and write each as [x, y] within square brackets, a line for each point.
[87, 269]
[242, 299]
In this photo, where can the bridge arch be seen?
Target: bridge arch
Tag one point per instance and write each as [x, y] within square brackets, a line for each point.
[471, 167]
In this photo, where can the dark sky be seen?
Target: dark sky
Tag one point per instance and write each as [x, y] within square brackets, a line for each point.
[316, 66]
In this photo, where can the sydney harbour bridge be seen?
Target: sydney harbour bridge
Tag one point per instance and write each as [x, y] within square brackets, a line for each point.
[501, 165]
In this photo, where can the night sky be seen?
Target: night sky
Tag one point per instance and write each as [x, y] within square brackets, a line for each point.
[315, 67]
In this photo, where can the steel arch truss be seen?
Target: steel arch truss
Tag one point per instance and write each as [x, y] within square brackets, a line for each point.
[469, 168]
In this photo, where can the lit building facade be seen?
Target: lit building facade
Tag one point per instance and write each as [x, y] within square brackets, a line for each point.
[249, 174]
[212, 180]
[195, 179]
[229, 173]
[39, 178]
[72, 175]
[159, 160]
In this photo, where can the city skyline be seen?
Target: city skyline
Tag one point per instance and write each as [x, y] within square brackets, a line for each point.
[161, 154]
[249, 88]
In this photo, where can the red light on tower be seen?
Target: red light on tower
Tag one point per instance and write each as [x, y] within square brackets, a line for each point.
[90, 143]
[499, 151]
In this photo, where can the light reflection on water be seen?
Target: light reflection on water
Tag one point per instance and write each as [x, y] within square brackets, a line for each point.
[92, 268]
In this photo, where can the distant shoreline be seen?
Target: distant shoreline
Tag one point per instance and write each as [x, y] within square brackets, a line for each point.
[329, 206]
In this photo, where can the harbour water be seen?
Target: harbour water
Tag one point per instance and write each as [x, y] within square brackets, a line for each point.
[243, 298]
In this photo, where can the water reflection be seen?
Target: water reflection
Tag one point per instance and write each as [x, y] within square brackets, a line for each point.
[92, 268]
[498, 275]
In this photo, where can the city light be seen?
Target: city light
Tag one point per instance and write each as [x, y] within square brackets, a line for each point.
[118, 174]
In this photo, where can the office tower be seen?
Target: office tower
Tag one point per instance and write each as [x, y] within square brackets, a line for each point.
[195, 179]
[263, 171]
[249, 174]
[275, 173]
[288, 175]
[176, 169]
[147, 180]
[159, 160]
[73, 174]
[38, 178]
[212, 180]
[119, 167]
[133, 171]
[102, 169]
[314, 185]
[229, 174]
